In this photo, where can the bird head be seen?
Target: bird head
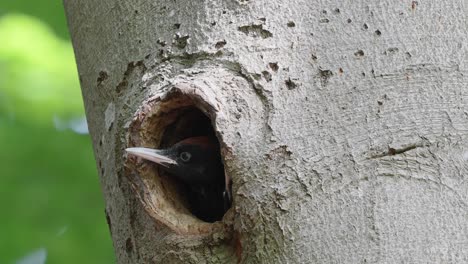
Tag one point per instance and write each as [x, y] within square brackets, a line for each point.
[194, 160]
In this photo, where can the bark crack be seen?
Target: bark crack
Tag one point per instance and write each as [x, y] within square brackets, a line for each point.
[396, 151]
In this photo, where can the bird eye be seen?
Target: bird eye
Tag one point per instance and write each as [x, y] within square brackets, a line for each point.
[185, 156]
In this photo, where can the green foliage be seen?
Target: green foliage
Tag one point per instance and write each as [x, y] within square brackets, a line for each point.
[38, 72]
[49, 188]
[49, 12]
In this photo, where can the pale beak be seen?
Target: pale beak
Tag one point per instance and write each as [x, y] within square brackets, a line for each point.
[154, 155]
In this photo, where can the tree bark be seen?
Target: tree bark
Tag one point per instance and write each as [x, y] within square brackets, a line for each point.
[343, 126]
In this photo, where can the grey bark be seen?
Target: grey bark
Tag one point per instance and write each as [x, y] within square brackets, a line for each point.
[343, 125]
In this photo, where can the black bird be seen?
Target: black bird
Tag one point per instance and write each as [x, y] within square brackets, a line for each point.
[196, 163]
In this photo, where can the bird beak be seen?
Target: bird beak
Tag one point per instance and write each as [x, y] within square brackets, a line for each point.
[154, 155]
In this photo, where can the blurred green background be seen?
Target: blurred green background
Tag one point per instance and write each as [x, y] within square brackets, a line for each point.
[52, 209]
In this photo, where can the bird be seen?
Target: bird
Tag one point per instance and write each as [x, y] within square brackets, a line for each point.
[196, 163]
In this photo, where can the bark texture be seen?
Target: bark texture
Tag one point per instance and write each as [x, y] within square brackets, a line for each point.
[343, 125]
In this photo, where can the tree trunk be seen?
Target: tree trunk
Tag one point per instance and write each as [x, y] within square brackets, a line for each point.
[343, 126]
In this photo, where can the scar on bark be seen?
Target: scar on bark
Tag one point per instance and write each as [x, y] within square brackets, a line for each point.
[131, 67]
[220, 44]
[103, 75]
[324, 76]
[255, 31]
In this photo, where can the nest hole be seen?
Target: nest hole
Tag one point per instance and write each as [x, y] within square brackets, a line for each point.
[161, 123]
[190, 122]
